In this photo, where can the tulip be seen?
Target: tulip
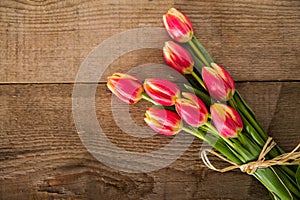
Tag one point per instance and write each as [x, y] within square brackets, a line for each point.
[162, 91]
[192, 110]
[218, 82]
[178, 58]
[163, 121]
[126, 87]
[178, 26]
[226, 120]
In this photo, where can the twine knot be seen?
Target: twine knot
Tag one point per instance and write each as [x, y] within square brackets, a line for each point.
[292, 158]
[251, 167]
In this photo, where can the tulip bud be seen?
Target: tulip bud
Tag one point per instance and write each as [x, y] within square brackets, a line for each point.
[191, 109]
[162, 91]
[218, 82]
[163, 121]
[226, 120]
[178, 58]
[128, 88]
[178, 26]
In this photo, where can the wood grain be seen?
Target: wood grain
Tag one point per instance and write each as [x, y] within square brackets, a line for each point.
[42, 157]
[46, 41]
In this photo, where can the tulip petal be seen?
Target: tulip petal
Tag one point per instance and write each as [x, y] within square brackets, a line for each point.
[126, 87]
[162, 91]
[178, 25]
[216, 86]
[163, 121]
[189, 113]
[178, 58]
[192, 110]
[226, 120]
[225, 76]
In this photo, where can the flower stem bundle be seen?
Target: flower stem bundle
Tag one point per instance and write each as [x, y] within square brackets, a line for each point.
[212, 110]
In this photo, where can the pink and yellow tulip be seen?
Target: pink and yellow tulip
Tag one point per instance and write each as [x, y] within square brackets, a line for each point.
[192, 110]
[162, 91]
[126, 87]
[178, 26]
[178, 58]
[163, 121]
[218, 81]
[226, 120]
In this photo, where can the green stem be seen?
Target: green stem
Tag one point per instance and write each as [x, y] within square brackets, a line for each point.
[232, 103]
[214, 142]
[227, 142]
[196, 50]
[252, 126]
[197, 62]
[289, 171]
[273, 181]
[202, 48]
[290, 183]
[192, 132]
[216, 132]
[270, 179]
[213, 129]
[249, 116]
[250, 119]
[251, 131]
[235, 145]
[209, 116]
[248, 143]
[198, 79]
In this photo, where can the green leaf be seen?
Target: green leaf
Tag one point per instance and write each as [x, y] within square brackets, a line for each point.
[198, 64]
[270, 179]
[203, 50]
[251, 131]
[272, 196]
[241, 103]
[287, 180]
[298, 177]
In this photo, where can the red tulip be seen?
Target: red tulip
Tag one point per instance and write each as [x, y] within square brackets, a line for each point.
[163, 121]
[218, 82]
[162, 91]
[128, 88]
[227, 120]
[178, 58]
[192, 110]
[178, 26]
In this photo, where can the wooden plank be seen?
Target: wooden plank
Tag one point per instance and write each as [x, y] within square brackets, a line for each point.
[41, 155]
[46, 41]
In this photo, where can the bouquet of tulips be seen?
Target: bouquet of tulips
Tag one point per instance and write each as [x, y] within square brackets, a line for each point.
[212, 110]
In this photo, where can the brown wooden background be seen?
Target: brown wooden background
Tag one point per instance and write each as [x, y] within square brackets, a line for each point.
[42, 44]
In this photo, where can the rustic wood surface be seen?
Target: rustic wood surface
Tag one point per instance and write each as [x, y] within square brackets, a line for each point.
[43, 43]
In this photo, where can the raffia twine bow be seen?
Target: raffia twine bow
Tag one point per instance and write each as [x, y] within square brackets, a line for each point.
[292, 158]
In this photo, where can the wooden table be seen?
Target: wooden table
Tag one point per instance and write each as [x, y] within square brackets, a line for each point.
[43, 43]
